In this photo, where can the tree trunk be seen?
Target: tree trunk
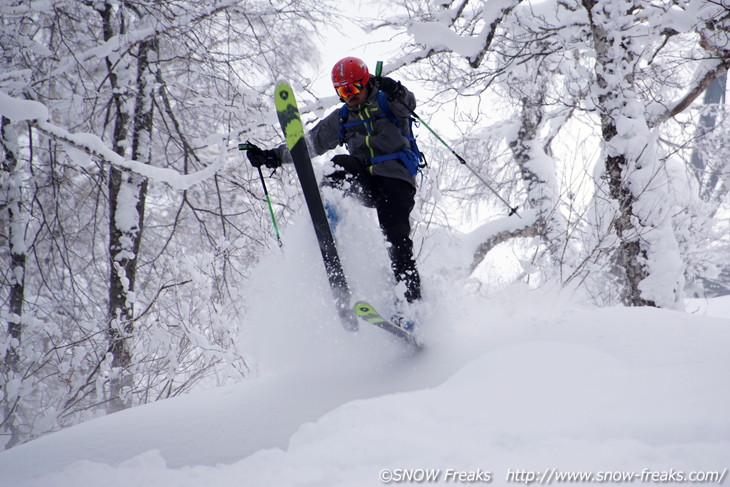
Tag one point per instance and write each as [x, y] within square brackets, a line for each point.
[539, 177]
[709, 177]
[127, 192]
[13, 201]
[635, 178]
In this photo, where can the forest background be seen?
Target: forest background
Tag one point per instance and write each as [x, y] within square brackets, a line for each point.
[129, 221]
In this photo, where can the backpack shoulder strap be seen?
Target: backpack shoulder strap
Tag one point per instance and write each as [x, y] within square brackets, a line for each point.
[385, 107]
[407, 132]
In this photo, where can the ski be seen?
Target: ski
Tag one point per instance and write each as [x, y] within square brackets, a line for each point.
[366, 312]
[291, 125]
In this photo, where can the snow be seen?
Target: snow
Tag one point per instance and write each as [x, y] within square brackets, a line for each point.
[513, 383]
[439, 36]
[18, 110]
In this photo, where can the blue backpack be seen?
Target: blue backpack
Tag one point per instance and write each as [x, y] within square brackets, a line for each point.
[411, 158]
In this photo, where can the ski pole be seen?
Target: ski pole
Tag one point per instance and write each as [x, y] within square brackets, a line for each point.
[249, 145]
[513, 210]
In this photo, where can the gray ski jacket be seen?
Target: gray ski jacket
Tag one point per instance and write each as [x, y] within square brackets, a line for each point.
[376, 136]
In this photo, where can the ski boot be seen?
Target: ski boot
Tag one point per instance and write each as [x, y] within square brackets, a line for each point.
[332, 216]
[401, 321]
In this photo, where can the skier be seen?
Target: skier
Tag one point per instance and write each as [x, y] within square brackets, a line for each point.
[381, 166]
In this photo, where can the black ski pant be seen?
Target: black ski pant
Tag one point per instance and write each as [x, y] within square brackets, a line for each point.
[393, 199]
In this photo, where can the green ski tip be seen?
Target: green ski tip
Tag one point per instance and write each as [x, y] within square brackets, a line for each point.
[286, 109]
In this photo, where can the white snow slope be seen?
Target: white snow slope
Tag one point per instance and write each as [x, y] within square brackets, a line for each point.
[514, 386]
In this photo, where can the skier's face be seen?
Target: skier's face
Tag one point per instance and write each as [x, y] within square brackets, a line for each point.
[357, 98]
[353, 93]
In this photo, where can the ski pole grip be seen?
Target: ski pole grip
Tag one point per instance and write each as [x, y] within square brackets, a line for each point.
[378, 68]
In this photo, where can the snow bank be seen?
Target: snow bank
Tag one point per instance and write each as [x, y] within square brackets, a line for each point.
[545, 386]
[511, 382]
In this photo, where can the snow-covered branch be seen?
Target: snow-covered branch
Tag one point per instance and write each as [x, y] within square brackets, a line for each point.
[707, 73]
[491, 234]
[94, 146]
[118, 45]
[440, 37]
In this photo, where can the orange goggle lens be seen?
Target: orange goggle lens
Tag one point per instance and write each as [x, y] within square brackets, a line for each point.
[346, 91]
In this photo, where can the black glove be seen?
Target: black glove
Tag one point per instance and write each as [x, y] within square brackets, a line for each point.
[258, 157]
[390, 87]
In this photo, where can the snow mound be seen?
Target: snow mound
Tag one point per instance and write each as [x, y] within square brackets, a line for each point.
[540, 388]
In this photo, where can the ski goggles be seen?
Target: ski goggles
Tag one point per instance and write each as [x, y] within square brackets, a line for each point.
[348, 90]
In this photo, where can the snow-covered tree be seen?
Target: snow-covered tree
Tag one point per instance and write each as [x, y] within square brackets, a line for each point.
[13, 202]
[530, 75]
[139, 222]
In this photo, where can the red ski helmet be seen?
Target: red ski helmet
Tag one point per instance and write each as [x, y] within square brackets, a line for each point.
[349, 76]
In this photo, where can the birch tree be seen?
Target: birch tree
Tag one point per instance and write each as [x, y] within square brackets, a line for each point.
[12, 201]
[627, 74]
[140, 222]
